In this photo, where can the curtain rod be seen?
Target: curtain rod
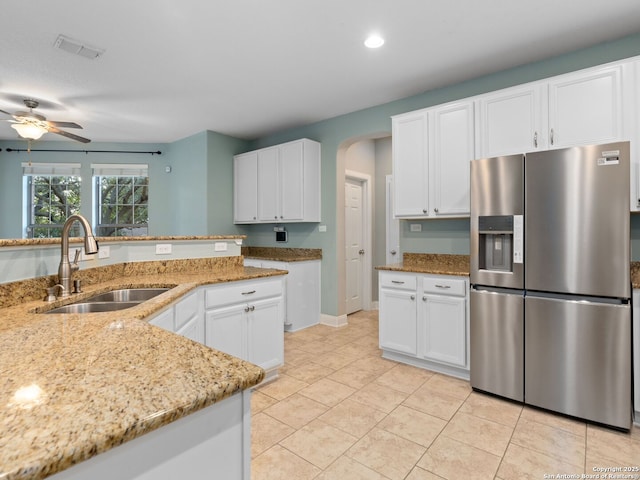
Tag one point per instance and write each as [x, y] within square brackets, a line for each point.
[158, 152]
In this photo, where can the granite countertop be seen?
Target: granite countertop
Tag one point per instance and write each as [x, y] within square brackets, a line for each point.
[30, 242]
[76, 385]
[280, 254]
[439, 264]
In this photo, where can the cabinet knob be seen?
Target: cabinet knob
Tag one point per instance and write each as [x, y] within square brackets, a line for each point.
[551, 136]
[424, 210]
[254, 218]
[413, 297]
[276, 217]
[393, 252]
[361, 251]
[246, 309]
[435, 210]
[424, 298]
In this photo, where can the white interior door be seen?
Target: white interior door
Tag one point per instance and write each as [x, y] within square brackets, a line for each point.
[353, 244]
[393, 228]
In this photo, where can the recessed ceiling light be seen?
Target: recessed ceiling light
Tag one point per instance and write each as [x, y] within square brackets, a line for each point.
[374, 41]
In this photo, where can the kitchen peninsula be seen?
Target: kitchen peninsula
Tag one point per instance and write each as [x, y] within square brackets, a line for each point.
[77, 385]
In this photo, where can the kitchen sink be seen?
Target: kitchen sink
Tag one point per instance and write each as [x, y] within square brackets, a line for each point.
[110, 301]
[127, 295]
[93, 307]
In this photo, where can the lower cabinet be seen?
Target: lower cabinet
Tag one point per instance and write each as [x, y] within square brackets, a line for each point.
[246, 320]
[636, 354]
[424, 321]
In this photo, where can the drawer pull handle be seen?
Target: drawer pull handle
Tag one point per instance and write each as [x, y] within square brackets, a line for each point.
[397, 282]
[249, 293]
[443, 286]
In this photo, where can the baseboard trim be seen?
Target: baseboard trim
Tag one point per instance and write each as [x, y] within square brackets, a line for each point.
[332, 320]
[375, 305]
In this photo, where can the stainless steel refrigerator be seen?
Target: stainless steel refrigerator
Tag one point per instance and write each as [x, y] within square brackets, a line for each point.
[550, 274]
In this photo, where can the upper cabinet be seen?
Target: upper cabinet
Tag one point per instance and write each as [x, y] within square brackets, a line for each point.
[432, 149]
[278, 184]
[579, 108]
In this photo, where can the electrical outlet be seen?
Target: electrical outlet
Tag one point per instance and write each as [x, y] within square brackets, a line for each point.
[104, 252]
[163, 249]
[415, 227]
[220, 246]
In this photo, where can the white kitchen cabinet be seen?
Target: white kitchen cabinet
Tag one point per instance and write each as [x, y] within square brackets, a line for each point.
[245, 188]
[185, 317]
[579, 108]
[442, 327]
[432, 149]
[512, 121]
[301, 291]
[636, 354]
[424, 321]
[278, 184]
[245, 319]
[164, 319]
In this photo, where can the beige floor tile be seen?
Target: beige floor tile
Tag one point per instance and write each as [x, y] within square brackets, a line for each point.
[347, 469]
[492, 408]
[319, 443]
[372, 341]
[521, 463]
[375, 364]
[453, 387]
[378, 396]
[317, 348]
[607, 447]
[310, 372]
[433, 402]
[404, 378]
[327, 391]
[352, 417]
[484, 434]
[452, 459]
[296, 410]
[555, 420]
[278, 463]
[353, 376]
[260, 401]
[323, 331]
[419, 474]
[413, 425]
[282, 387]
[386, 453]
[293, 356]
[306, 335]
[334, 360]
[557, 443]
[266, 431]
[356, 350]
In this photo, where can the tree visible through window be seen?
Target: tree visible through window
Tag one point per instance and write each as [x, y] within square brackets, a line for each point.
[123, 205]
[52, 194]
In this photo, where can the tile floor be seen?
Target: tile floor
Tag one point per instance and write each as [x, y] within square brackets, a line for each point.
[340, 411]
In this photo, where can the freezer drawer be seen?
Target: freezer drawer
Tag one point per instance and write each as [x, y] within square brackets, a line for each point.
[497, 343]
[578, 359]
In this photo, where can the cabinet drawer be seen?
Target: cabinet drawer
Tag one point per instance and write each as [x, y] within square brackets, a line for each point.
[246, 292]
[398, 280]
[444, 286]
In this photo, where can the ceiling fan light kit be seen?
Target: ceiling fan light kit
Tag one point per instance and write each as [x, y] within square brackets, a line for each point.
[29, 130]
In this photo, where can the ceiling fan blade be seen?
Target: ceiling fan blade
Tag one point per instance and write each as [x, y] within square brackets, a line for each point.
[63, 124]
[7, 113]
[72, 136]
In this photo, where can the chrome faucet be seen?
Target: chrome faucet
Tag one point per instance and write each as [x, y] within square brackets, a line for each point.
[66, 269]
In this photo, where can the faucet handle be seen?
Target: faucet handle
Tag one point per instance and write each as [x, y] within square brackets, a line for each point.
[77, 257]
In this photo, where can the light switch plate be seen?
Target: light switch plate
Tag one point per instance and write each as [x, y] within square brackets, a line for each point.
[163, 249]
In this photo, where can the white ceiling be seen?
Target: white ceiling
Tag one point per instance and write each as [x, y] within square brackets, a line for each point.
[247, 68]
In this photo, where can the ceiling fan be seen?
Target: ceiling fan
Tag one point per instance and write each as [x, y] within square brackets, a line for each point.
[32, 126]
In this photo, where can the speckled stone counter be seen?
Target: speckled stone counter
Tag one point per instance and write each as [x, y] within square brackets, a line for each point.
[30, 242]
[76, 385]
[635, 274]
[440, 264]
[283, 254]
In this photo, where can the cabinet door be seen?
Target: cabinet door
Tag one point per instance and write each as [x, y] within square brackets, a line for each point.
[193, 329]
[245, 188]
[442, 329]
[292, 181]
[512, 121]
[398, 320]
[585, 108]
[452, 143]
[225, 330]
[164, 319]
[410, 165]
[265, 333]
[268, 185]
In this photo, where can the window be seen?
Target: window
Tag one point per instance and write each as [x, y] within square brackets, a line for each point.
[52, 192]
[121, 194]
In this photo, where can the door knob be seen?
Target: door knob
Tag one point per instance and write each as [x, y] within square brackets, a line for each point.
[361, 251]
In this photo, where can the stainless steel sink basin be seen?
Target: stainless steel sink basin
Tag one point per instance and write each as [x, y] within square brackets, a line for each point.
[127, 295]
[93, 307]
[110, 301]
